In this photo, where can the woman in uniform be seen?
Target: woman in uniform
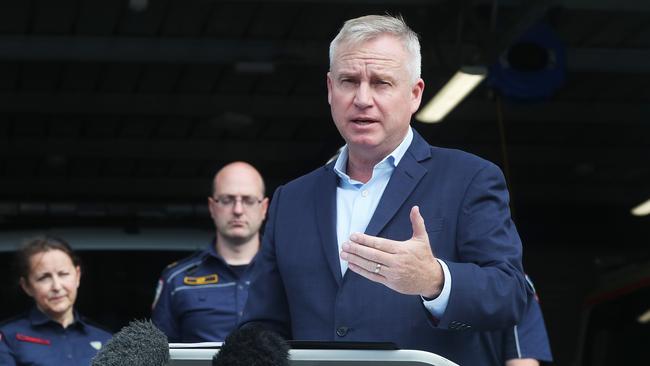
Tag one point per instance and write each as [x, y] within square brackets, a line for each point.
[51, 332]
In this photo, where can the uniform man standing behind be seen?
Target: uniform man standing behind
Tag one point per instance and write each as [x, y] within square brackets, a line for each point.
[201, 298]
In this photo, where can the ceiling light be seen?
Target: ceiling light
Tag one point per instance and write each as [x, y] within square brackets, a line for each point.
[644, 318]
[642, 209]
[461, 84]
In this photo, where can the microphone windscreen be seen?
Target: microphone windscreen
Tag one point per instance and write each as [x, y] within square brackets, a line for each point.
[252, 345]
[139, 343]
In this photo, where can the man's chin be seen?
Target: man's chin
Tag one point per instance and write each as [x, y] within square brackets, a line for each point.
[366, 141]
[238, 238]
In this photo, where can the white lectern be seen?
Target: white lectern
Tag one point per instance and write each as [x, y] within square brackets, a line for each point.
[323, 357]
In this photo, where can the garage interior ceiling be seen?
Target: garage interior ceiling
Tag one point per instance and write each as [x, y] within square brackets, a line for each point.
[118, 112]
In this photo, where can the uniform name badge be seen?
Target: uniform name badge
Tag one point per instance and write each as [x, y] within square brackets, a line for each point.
[202, 280]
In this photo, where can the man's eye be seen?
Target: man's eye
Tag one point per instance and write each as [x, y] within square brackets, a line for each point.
[226, 200]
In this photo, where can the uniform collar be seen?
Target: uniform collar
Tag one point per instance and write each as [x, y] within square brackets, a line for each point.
[212, 252]
[37, 317]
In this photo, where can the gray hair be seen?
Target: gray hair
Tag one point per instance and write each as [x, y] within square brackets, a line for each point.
[365, 28]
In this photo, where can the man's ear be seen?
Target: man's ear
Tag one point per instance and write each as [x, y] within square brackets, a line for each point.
[265, 207]
[329, 88]
[416, 95]
[212, 207]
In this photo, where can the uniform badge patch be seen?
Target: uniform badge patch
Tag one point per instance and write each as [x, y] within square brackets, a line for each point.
[158, 292]
[203, 280]
[30, 339]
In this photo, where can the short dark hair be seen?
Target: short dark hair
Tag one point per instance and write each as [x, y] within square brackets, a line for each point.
[253, 345]
[40, 244]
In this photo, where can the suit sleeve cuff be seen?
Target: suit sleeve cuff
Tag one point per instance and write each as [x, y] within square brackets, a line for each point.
[438, 305]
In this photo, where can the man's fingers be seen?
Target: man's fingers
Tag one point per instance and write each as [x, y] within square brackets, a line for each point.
[371, 275]
[358, 260]
[366, 258]
[371, 254]
[375, 242]
[417, 223]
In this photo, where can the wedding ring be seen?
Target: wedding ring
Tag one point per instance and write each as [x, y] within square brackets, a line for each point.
[377, 268]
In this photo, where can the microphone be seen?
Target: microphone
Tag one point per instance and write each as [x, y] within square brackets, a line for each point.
[139, 343]
[252, 345]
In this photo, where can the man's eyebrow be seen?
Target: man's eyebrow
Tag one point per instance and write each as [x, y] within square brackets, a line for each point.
[347, 73]
[382, 75]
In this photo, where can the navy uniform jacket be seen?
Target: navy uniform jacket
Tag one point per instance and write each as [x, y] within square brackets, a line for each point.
[298, 290]
[529, 338]
[200, 298]
[34, 339]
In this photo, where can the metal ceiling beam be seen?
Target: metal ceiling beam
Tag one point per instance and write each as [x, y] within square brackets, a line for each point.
[163, 50]
[126, 188]
[134, 188]
[161, 104]
[103, 104]
[280, 152]
[115, 238]
[608, 5]
[609, 60]
[612, 5]
[546, 155]
[554, 112]
[265, 151]
[202, 51]
[348, 2]
[147, 190]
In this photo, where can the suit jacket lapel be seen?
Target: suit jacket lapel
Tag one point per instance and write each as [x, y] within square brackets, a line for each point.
[405, 178]
[326, 219]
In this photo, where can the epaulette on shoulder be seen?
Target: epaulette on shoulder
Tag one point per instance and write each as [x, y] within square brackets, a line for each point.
[14, 318]
[196, 257]
[171, 265]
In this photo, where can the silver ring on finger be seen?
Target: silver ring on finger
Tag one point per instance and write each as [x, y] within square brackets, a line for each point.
[377, 268]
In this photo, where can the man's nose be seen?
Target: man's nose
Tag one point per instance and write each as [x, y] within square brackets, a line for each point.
[363, 96]
[238, 206]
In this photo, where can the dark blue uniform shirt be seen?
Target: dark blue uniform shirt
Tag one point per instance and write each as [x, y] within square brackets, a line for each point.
[200, 298]
[34, 339]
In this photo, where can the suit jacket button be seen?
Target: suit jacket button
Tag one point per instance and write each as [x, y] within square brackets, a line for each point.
[342, 331]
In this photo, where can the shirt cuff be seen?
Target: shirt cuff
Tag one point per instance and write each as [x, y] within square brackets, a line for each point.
[438, 305]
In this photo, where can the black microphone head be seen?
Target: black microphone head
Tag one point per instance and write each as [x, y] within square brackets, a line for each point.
[139, 343]
[252, 345]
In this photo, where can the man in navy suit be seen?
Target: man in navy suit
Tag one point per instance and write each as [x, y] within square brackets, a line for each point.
[396, 240]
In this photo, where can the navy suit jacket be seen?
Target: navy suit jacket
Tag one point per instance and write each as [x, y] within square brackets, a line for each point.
[297, 287]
